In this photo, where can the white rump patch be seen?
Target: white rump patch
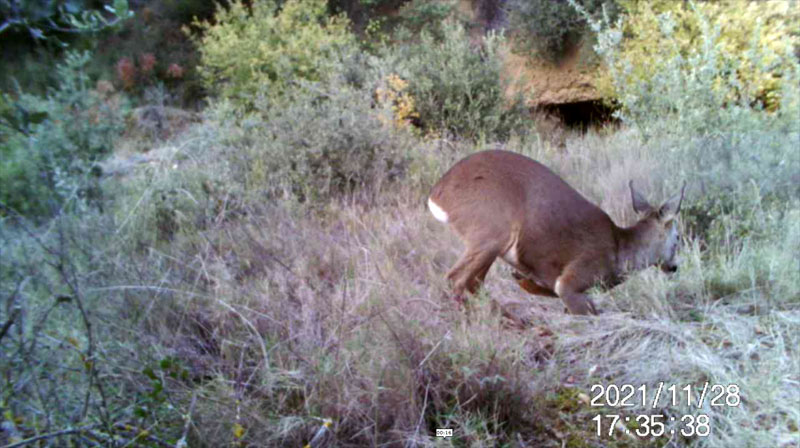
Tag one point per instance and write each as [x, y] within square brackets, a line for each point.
[511, 256]
[557, 287]
[437, 211]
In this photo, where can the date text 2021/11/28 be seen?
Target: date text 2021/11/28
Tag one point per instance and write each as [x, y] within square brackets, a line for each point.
[627, 395]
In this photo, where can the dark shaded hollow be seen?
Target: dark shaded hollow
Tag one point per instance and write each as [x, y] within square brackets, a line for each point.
[582, 115]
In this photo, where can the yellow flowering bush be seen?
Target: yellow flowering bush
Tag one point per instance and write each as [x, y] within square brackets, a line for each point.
[742, 25]
[247, 50]
[393, 95]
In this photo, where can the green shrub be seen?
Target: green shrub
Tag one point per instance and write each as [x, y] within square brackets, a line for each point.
[550, 27]
[45, 19]
[27, 70]
[704, 118]
[737, 27]
[456, 88]
[259, 48]
[323, 139]
[50, 146]
[363, 12]
[417, 15]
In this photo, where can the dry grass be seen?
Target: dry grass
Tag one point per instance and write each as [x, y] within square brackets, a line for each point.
[286, 315]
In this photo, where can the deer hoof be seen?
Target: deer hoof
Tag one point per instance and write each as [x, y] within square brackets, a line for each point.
[460, 299]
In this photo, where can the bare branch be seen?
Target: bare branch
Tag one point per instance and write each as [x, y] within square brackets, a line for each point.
[182, 441]
[50, 435]
[14, 313]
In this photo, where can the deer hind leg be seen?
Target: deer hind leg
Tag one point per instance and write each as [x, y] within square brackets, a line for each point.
[470, 271]
[570, 286]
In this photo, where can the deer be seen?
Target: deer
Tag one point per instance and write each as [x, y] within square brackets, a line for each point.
[504, 204]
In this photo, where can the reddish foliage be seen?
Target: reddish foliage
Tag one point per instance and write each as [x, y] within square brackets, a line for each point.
[147, 62]
[126, 73]
[175, 71]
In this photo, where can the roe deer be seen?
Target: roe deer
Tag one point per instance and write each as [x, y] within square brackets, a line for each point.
[503, 204]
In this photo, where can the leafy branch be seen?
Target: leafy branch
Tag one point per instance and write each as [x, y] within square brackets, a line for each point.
[41, 18]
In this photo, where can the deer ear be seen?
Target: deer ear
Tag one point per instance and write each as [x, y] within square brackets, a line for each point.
[672, 206]
[640, 204]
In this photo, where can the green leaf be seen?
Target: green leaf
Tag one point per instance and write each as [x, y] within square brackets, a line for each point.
[121, 7]
[158, 387]
[148, 371]
[37, 117]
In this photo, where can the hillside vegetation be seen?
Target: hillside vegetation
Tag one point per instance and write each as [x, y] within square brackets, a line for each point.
[267, 274]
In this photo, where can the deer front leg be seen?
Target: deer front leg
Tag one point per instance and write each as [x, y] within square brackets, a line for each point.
[579, 303]
[570, 286]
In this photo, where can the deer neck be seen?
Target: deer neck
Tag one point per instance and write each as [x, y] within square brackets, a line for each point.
[632, 252]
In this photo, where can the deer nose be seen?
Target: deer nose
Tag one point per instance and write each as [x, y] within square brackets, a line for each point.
[669, 269]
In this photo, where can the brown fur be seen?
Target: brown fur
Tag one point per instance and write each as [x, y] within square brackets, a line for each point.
[503, 204]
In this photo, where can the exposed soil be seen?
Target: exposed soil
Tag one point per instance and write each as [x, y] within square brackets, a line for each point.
[569, 81]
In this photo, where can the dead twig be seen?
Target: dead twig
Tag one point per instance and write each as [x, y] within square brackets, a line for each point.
[10, 321]
[182, 441]
[51, 435]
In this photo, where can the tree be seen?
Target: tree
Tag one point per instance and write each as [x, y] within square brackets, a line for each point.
[43, 18]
